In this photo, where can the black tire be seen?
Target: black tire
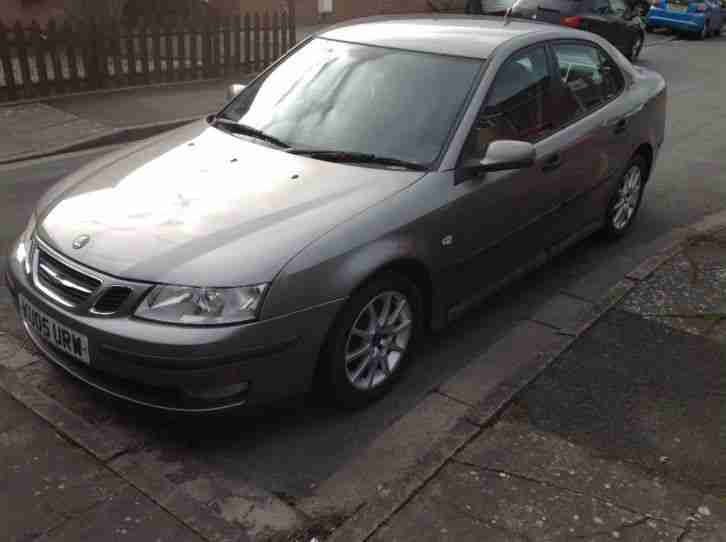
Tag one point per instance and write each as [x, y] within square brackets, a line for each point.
[333, 375]
[703, 34]
[613, 229]
[649, 29]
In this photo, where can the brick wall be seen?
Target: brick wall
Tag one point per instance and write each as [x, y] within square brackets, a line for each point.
[26, 11]
[307, 10]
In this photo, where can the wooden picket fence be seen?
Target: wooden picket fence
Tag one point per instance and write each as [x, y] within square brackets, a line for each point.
[59, 59]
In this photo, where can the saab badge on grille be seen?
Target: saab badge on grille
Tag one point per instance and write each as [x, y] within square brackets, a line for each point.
[81, 241]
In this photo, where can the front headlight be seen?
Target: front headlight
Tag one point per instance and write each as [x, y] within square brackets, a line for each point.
[24, 249]
[202, 306]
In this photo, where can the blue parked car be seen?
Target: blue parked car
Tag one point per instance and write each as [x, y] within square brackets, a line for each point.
[702, 18]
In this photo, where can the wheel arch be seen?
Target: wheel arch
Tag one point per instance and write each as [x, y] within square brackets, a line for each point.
[409, 267]
[645, 150]
[415, 271]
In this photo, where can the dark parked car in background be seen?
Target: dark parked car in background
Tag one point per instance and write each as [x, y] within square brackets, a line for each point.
[611, 19]
[500, 7]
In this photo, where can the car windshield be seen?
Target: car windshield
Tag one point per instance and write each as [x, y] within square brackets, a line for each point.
[337, 96]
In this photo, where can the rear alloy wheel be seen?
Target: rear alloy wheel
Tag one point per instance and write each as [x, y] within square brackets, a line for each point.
[636, 47]
[372, 340]
[626, 201]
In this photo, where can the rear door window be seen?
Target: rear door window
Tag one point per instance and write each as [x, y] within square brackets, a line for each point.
[589, 79]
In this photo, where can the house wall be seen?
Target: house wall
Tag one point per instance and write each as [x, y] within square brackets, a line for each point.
[26, 11]
[306, 11]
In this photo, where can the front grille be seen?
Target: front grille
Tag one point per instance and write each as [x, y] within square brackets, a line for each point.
[112, 299]
[62, 282]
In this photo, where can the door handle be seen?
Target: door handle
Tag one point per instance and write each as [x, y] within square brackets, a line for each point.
[552, 163]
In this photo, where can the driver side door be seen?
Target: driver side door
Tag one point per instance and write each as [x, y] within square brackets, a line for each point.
[496, 223]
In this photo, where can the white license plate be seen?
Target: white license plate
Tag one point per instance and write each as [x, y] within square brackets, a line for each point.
[63, 338]
[677, 7]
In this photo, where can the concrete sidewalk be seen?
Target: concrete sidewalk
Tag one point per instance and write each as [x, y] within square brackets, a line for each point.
[55, 491]
[622, 437]
[75, 122]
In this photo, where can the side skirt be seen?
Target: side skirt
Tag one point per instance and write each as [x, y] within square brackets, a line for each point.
[538, 261]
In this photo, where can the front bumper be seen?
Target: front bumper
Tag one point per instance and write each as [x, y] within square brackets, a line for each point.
[165, 366]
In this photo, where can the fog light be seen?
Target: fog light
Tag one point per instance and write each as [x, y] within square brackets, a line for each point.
[217, 393]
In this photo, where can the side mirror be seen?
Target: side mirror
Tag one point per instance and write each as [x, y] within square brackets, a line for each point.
[233, 91]
[502, 155]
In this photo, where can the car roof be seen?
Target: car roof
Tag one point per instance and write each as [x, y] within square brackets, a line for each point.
[456, 35]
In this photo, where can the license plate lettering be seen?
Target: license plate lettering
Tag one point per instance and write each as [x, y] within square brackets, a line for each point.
[77, 346]
[54, 333]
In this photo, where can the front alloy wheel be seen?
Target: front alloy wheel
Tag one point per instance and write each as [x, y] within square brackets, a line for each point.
[626, 202]
[378, 340]
[372, 340]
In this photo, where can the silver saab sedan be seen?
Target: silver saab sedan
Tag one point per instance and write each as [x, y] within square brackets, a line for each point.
[371, 185]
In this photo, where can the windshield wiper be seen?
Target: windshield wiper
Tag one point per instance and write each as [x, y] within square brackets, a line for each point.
[358, 157]
[243, 129]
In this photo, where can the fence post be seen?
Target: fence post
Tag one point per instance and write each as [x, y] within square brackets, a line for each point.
[266, 38]
[248, 43]
[227, 29]
[292, 22]
[181, 37]
[68, 38]
[237, 29]
[90, 55]
[40, 63]
[156, 41]
[170, 74]
[21, 46]
[283, 32]
[53, 42]
[275, 36]
[257, 38]
[115, 51]
[194, 49]
[130, 41]
[206, 47]
[100, 53]
[7, 63]
[144, 44]
[218, 57]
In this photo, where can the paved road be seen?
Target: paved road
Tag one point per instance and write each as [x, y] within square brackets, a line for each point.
[290, 451]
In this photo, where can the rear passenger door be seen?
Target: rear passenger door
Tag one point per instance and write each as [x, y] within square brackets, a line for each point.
[587, 90]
